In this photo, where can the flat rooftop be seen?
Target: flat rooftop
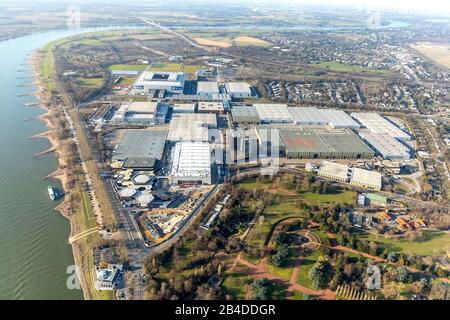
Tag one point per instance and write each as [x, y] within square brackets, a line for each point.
[238, 87]
[270, 112]
[210, 106]
[210, 87]
[314, 116]
[245, 114]
[386, 145]
[336, 141]
[141, 144]
[378, 124]
[191, 159]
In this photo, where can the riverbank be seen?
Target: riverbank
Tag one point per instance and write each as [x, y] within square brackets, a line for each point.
[61, 173]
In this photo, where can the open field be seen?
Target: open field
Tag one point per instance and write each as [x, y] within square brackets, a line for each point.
[432, 242]
[306, 262]
[342, 67]
[90, 82]
[128, 67]
[213, 42]
[249, 41]
[226, 42]
[439, 53]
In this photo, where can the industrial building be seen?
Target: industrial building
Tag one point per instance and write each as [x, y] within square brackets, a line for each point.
[184, 108]
[146, 112]
[210, 107]
[385, 145]
[141, 149]
[191, 127]
[245, 115]
[191, 163]
[314, 116]
[335, 171]
[366, 179]
[380, 125]
[320, 144]
[207, 88]
[273, 113]
[238, 89]
[171, 82]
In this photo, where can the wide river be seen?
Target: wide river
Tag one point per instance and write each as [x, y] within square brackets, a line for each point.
[34, 248]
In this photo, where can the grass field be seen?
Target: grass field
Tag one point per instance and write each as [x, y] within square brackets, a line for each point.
[306, 262]
[342, 67]
[315, 199]
[226, 42]
[127, 67]
[90, 82]
[285, 272]
[438, 52]
[236, 282]
[432, 242]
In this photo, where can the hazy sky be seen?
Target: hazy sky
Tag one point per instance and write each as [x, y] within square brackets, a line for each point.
[417, 6]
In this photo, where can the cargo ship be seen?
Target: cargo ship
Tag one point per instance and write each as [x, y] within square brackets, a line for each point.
[53, 193]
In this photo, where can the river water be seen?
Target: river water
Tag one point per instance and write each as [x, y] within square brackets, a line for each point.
[34, 249]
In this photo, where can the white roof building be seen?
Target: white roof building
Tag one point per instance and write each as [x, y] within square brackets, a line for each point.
[207, 88]
[378, 124]
[273, 113]
[385, 145]
[191, 163]
[238, 89]
[170, 81]
[191, 127]
[335, 171]
[184, 108]
[107, 279]
[314, 116]
[366, 179]
[141, 179]
[210, 107]
[144, 199]
[127, 193]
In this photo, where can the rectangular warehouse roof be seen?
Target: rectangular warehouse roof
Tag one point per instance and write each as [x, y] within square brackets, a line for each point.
[334, 171]
[161, 78]
[387, 146]
[191, 159]
[238, 87]
[314, 116]
[142, 107]
[184, 108]
[191, 126]
[210, 106]
[273, 113]
[209, 87]
[366, 178]
[337, 143]
[245, 114]
[378, 124]
[141, 144]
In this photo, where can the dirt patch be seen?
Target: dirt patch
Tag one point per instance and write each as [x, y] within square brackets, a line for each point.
[212, 42]
[249, 41]
[438, 52]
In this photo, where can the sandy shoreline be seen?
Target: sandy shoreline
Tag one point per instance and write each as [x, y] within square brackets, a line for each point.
[61, 173]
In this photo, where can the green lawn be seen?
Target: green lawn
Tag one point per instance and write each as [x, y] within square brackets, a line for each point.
[254, 183]
[285, 271]
[342, 67]
[272, 214]
[296, 295]
[90, 82]
[432, 242]
[127, 67]
[235, 283]
[341, 197]
[306, 262]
